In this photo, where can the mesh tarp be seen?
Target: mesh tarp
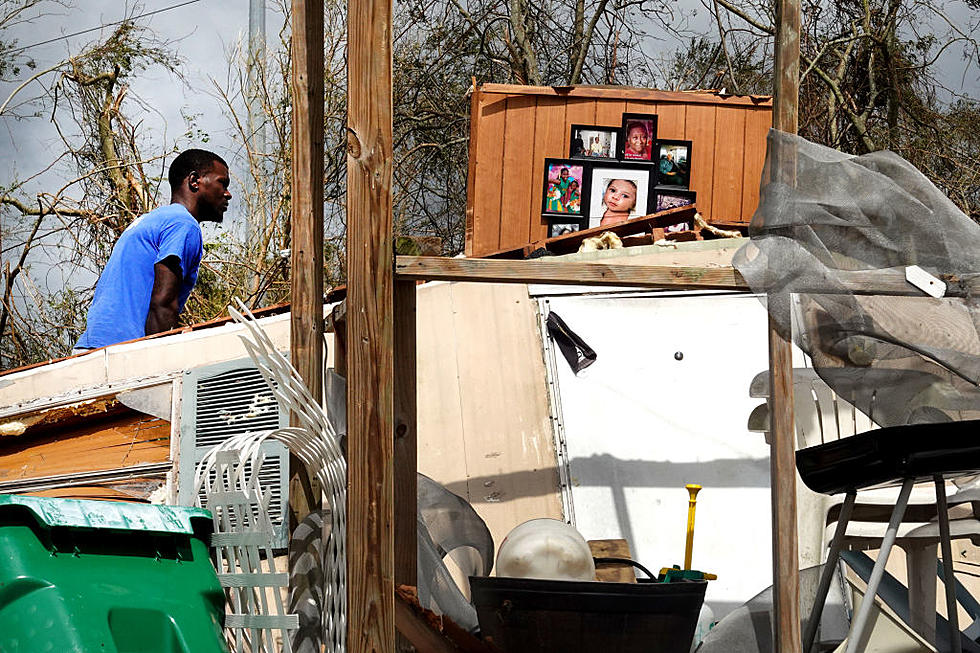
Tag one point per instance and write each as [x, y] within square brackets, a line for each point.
[833, 232]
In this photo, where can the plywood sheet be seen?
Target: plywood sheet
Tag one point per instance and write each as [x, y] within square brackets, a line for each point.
[729, 159]
[516, 208]
[484, 425]
[94, 445]
[489, 167]
[700, 130]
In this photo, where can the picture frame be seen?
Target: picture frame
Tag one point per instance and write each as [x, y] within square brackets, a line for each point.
[556, 229]
[635, 179]
[634, 146]
[565, 189]
[593, 142]
[674, 160]
[669, 197]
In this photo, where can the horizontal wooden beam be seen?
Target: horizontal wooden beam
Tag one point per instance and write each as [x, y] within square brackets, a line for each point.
[628, 93]
[567, 273]
[890, 281]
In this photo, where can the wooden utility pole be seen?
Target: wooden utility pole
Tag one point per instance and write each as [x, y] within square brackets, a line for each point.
[370, 275]
[785, 567]
[306, 278]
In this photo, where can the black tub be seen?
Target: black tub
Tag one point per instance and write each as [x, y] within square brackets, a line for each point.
[523, 614]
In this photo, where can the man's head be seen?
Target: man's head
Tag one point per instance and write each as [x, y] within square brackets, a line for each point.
[199, 180]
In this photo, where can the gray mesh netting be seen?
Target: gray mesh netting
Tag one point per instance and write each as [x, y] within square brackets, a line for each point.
[829, 228]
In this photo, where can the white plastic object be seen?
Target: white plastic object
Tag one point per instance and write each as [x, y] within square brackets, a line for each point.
[924, 281]
[706, 619]
[545, 548]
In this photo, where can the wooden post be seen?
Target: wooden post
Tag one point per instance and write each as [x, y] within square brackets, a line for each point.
[306, 316]
[370, 275]
[406, 442]
[785, 566]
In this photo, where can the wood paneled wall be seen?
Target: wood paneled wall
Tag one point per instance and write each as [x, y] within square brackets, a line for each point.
[513, 129]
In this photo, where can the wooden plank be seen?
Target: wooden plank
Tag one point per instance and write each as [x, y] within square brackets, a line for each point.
[567, 273]
[782, 458]
[550, 140]
[370, 343]
[92, 445]
[487, 173]
[406, 434]
[727, 181]
[619, 92]
[476, 117]
[757, 125]
[609, 112]
[518, 180]
[577, 112]
[700, 130]
[671, 122]
[306, 316]
[612, 572]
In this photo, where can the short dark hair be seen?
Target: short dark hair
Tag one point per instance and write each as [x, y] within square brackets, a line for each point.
[189, 161]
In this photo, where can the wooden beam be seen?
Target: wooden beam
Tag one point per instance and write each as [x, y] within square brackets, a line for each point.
[306, 316]
[370, 412]
[782, 457]
[406, 440]
[630, 93]
[566, 273]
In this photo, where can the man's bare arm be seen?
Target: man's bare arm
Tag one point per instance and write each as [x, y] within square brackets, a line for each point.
[162, 315]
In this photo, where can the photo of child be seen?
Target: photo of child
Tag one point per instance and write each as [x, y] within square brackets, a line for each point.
[674, 163]
[639, 134]
[618, 194]
[593, 142]
[562, 188]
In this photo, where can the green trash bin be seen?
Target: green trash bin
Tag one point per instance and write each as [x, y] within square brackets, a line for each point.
[106, 577]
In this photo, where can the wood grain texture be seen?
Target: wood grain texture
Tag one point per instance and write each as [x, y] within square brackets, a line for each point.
[306, 317]
[370, 339]
[567, 273]
[406, 433]
[618, 92]
[671, 122]
[729, 157]
[757, 125]
[487, 173]
[612, 572]
[785, 548]
[550, 136]
[516, 209]
[700, 130]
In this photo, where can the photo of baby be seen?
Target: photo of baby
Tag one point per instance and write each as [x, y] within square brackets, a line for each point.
[639, 135]
[618, 193]
[674, 165]
[593, 142]
[563, 187]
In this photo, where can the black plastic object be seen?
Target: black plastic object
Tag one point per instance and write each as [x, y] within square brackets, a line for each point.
[539, 616]
[886, 456]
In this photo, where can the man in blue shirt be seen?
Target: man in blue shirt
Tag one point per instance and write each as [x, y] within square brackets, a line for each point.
[153, 265]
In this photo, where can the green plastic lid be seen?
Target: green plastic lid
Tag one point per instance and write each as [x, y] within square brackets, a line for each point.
[116, 515]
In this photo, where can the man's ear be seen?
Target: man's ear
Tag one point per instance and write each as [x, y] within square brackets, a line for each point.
[194, 181]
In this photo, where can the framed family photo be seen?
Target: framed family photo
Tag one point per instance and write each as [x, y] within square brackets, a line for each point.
[671, 198]
[674, 163]
[593, 142]
[566, 190]
[562, 228]
[620, 191]
[639, 132]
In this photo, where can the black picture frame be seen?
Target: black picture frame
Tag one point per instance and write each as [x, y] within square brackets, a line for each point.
[680, 177]
[630, 121]
[671, 197]
[581, 143]
[556, 229]
[643, 176]
[561, 205]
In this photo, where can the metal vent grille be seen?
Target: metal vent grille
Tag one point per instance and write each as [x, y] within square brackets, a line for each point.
[236, 401]
[223, 400]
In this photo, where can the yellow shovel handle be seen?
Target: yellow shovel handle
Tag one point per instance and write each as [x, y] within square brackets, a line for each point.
[692, 501]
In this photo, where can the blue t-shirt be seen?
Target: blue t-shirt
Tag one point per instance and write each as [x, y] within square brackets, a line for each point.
[122, 296]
